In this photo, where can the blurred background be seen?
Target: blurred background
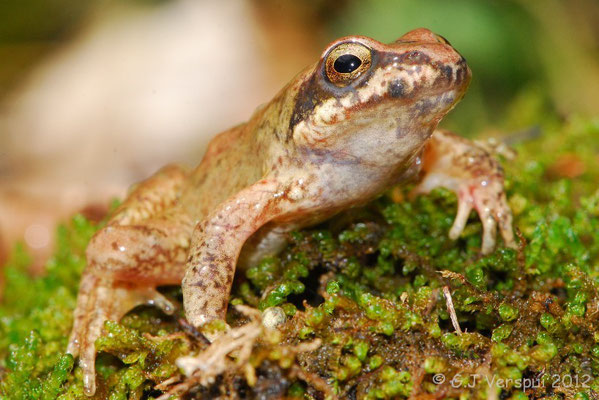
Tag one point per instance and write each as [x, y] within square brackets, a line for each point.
[98, 94]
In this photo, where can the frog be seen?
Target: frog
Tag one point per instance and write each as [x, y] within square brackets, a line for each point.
[360, 120]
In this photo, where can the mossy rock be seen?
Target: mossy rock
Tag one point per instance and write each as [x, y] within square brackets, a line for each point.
[370, 285]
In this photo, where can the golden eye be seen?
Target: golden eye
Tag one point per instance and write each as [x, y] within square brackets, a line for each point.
[346, 62]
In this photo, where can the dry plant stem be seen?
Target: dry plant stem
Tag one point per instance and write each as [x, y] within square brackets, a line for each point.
[206, 366]
[238, 342]
[485, 297]
[451, 310]
[170, 381]
[315, 381]
[213, 361]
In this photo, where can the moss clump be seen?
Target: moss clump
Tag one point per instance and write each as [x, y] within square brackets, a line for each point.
[368, 285]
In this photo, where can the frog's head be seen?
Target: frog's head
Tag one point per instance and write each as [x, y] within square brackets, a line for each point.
[364, 96]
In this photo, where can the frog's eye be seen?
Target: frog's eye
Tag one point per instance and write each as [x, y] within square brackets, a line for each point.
[346, 62]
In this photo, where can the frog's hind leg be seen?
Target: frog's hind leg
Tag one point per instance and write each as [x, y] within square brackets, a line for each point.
[144, 245]
[125, 264]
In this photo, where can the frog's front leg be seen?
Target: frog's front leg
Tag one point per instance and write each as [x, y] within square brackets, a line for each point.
[460, 165]
[216, 244]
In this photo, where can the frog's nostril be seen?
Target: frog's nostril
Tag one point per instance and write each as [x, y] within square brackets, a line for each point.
[415, 57]
[441, 39]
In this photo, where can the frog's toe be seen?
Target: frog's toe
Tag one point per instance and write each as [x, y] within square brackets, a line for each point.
[464, 208]
[489, 232]
[505, 223]
[87, 355]
[101, 300]
[89, 317]
[491, 204]
[488, 198]
[82, 312]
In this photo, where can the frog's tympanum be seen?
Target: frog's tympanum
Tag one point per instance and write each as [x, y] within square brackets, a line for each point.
[358, 121]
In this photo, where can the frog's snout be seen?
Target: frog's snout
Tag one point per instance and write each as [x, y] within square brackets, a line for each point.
[425, 36]
[422, 35]
[435, 50]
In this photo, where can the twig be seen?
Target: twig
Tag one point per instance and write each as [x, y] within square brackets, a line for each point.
[451, 310]
[206, 366]
[232, 351]
[315, 381]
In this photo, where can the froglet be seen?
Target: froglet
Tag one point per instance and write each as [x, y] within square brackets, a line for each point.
[344, 130]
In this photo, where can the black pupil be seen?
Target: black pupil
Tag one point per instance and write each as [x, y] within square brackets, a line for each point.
[347, 63]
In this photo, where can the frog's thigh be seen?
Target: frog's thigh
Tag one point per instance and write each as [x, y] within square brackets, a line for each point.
[151, 197]
[126, 262]
[267, 241]
[149, 253]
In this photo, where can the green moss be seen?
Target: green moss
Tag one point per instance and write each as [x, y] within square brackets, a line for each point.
[508, 312]
[502, 332]
[375, 362]
[367, 285]
[544, 352]
[36, 315]
[361, 349]
[296, 391]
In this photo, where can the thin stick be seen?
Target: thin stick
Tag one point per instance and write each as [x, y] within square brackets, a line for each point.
[451, 310]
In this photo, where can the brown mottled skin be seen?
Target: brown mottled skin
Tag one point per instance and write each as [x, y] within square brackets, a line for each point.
[332, 139]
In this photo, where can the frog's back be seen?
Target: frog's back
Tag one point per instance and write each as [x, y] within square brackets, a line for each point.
[229, 165]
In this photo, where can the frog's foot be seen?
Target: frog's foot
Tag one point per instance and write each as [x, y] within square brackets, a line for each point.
[489, 201]
[486, 196]
[100, 300]
[476, 177]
